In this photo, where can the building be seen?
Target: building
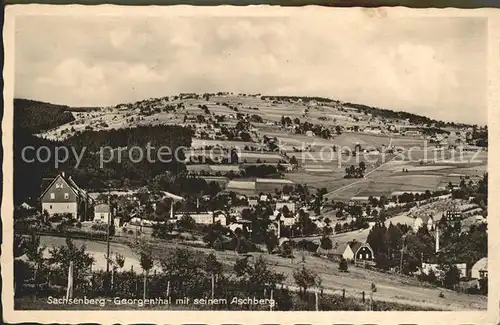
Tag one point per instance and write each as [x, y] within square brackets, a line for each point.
[290, 206]
[242, 225]
[480, 269]
[423, 220]
[206, 218]
[220, 217]
[64, 196]
[102, 213]
[357, 251]
[436, 269]
[288, 221]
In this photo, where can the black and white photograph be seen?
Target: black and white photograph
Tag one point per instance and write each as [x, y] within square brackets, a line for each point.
[249, 162]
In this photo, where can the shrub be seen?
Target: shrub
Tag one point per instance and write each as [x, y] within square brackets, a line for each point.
[441, 294]
[56, 218]
[343, 265]
[78, 224]
[100, 227]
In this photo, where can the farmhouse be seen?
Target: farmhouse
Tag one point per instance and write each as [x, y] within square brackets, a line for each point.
[354, 251]
[480, 269]
[63, 196]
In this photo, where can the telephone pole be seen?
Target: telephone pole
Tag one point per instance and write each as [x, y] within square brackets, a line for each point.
[108, 278]
[402, 253]
[107, 233]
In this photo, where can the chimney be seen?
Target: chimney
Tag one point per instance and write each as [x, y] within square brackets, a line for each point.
[63, 174]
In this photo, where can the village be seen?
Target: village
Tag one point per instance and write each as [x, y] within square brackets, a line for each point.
[376, 210]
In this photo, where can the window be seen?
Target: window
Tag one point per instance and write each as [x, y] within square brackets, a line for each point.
[52, 196]
[60, 185]
[66, 196]
[50, 207]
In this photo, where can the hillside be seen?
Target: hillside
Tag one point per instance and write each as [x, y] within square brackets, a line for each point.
[35, 116]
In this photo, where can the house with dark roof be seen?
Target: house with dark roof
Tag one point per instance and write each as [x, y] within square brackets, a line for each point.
[360, 251]
[64, 196]
[352, 251]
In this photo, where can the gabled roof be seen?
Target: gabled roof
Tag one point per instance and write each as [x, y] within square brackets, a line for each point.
[355, 246]
[71, 184]
[482, 264]
[425, 218]
[102, 208]
[172, 196]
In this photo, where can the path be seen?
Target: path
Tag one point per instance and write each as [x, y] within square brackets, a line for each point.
[364, 177]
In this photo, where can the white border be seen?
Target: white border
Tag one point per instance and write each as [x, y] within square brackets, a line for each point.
[492, 316]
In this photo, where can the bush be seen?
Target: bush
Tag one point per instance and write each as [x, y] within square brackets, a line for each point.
[78, 224]
[343, 265]
[100, 227]
[55, 218]
[441, 294]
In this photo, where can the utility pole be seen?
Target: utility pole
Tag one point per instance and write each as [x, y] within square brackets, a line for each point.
[107, 235]
[402, 253]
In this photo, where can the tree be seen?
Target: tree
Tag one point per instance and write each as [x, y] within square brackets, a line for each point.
[286, 249]
[305, 278]
[213, 232]
[451, 276]
[119, 260]
[271, 241]
[146, 261]
[257, 275]
[326, 243]
[186, 223]
[62, 256]
[343, 265]
[338, 227]
[34, 252]
[362, 166]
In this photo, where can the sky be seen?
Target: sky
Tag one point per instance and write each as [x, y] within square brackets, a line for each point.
[433, 66]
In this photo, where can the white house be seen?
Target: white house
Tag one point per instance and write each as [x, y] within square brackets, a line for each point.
[288, 221]
[102, 213]
[253, 202]
[480, 269]
[427, 267]
[289, 205]
[206, 218]
[220, 217]
[423, 220]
